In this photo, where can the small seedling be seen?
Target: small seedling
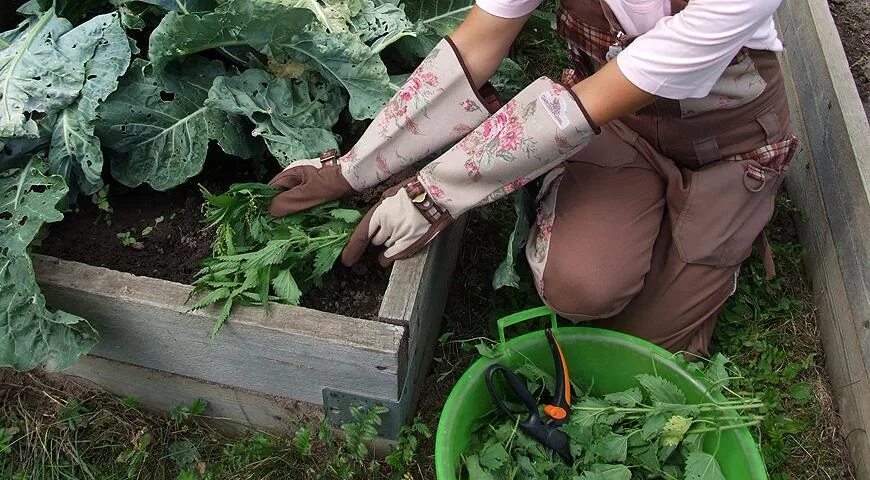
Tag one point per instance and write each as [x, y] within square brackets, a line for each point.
[101, 200]
[72, 413]
[183, 412]
[147, 230]
[126, 238]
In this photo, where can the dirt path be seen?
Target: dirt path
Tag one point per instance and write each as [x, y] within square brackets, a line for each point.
[853, 22]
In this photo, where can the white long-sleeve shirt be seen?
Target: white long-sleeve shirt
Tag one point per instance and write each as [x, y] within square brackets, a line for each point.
[679, 56]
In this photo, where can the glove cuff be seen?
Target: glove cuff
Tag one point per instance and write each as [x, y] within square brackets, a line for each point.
[433, 109]
[539, 128]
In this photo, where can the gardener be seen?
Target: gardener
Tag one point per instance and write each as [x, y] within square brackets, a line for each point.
[661, 153]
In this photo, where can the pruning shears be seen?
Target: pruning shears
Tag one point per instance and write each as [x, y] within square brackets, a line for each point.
[556, 413]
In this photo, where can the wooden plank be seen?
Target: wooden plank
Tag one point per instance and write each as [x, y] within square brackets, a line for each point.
[423, 305]
[286, 351]
[828, 182]
[233, 410]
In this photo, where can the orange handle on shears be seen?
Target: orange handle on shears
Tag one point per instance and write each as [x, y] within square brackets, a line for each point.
[560, 409]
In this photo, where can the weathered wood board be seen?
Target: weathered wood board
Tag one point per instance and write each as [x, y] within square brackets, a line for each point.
[263, 359]
[830, 182]
[232, 409]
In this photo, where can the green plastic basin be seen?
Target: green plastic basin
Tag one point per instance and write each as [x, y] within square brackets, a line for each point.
[606, 360]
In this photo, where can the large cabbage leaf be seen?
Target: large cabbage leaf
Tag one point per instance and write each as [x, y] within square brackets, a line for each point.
[440, 16]
[101, 45]
[284, 34]
[32, 336]
[35, 76]
[160, 126]
[333, 14]
[381, 23]
[293, 116]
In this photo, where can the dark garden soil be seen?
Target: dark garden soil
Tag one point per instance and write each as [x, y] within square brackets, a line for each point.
[853, 22]
[176, 245]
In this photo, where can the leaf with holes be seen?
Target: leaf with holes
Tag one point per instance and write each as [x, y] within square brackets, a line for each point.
[35, 77]
[101, 45]
[32, 335]
[339, 57]
[27, 200]
[160, 126]
[381, 23]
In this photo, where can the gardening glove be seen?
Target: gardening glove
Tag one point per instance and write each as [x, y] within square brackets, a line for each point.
[435, 107]
[543, 125]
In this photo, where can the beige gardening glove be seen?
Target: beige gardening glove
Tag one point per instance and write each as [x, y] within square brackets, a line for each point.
[537, 130]
[435, 107]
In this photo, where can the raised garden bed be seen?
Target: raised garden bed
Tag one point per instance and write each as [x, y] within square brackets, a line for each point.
[830, 182]
[365, 336]
[265, 366]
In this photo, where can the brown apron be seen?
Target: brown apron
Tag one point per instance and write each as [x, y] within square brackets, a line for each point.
[647, 227]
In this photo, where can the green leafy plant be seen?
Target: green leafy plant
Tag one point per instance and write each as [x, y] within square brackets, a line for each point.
[258, 258]
[101, 200]
[71, 414]
[180, 413]
[78, 81]
[127, 239]
[649, 431]
[408, 445]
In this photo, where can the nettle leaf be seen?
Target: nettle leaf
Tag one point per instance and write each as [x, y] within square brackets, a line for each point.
[347, 215]
[162, 125]
[493, 456]
[607, 472]
[628, 398]
[717, 371]
[286, 288]
[36, 77]
[340, 57]
[101, 45]
[325, 259]
[703, 466]
[653, 425]
[612, 448]
[293, 116]
[661, 390]
[475, 472]
[28, 199]
[590, 409]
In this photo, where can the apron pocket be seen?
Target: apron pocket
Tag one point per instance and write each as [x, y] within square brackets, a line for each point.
[718, 211]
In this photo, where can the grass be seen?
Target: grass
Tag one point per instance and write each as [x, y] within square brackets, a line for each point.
[52, 430]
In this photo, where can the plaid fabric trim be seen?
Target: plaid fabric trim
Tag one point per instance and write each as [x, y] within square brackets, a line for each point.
[421, 199]
[776, 156]
[583, 38]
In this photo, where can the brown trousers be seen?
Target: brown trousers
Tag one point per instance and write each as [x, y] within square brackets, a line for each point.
[628, 240]
[645, 229]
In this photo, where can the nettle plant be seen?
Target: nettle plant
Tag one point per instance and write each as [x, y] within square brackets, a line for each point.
[139, 89]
